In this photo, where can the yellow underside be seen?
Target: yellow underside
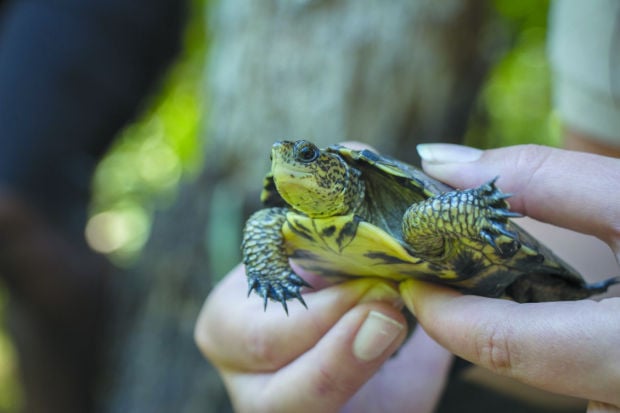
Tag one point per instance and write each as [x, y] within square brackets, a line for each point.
[325, 247]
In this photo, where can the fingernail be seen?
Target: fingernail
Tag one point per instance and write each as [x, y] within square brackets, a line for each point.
[376, 334]
[447, 153]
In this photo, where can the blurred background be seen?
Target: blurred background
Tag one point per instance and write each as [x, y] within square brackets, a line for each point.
[174, 186]
[150, 156]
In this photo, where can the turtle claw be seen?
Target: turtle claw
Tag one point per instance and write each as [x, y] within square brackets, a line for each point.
[279, 289]
[503, 195]
[252, 285]
[503, 248]
[506, 213]
[297, 280]
[490, 186]
[279, 295]
[283, 302]
[301, 299]
[496, 225]
[500, 228]
[486, 235]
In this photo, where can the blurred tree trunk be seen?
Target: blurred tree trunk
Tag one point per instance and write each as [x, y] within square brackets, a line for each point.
[391, 74]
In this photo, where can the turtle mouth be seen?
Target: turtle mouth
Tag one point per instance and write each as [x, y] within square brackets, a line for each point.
[285, 172]
[293, 178]
[283, 164]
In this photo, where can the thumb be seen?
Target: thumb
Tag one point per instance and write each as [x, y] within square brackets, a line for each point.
[563, 347]
[566, 188]
[328, 375]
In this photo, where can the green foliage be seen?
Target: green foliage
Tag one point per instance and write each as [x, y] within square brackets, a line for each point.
[151, 155]
[10, 390]
[515, 103]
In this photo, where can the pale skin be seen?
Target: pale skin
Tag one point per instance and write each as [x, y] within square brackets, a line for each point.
[336, 355]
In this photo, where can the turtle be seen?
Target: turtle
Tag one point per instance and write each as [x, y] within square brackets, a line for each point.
[345, 213]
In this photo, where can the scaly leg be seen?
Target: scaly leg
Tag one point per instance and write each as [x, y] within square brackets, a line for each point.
[480, 214]
[265, 259]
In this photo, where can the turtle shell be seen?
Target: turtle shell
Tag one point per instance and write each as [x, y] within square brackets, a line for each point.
[513, 265]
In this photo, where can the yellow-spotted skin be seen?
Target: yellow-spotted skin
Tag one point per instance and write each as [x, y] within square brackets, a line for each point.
[344, 213]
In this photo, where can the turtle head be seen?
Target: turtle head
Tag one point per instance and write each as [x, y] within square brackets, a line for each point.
[316, 182]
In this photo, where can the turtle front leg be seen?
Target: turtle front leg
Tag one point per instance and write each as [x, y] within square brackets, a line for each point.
[480, 214]
[266, 262]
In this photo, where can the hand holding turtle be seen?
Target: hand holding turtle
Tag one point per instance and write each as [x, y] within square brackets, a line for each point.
[321, 360]
[565, 347]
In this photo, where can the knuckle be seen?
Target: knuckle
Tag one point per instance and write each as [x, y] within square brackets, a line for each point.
[494, 350]
[531, 158]
[531, 153]
[529, 164]
[327, 382]
[259, 348]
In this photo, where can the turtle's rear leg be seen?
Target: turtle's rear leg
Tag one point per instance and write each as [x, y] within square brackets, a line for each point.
[479, 214]
[265, 258]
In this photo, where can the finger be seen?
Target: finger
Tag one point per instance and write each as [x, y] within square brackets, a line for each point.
[331, 372]
[410, 381]
[233, 331]
[565, 347]
[574, 190]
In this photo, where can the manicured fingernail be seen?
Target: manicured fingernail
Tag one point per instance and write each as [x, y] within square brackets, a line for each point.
[447, 153]
[376, 334]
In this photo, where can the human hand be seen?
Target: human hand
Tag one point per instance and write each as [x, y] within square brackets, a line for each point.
[564, 347]
[338, 356]
[333, 357]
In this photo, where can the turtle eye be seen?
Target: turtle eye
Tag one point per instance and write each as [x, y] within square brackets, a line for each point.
[306, 152]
